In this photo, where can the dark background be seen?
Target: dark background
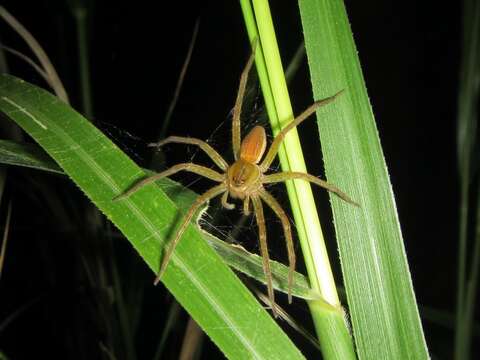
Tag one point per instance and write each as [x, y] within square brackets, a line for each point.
[409, 53]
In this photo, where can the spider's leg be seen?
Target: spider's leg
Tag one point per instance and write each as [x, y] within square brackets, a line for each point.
[290, 175]
[211, 152]
[216, 190]
[287, 230]
[246, 206]
[197, 169]
[262, 234]
[225, 202]
[237, 110]
[272, 152]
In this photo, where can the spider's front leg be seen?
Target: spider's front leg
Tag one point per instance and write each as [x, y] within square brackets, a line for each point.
[237, 109]
[211, 152]
[272, 152]
[246, 206]
[196, 169]
[225, 203]
[290, 175]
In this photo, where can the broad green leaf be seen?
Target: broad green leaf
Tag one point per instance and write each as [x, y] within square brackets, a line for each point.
[196, 275]
[382, 305]
[32, 156]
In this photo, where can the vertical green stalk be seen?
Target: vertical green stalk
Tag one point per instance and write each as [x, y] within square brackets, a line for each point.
[306, 217]
[329, 321]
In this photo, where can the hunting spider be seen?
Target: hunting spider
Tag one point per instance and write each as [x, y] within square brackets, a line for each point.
[243, 180]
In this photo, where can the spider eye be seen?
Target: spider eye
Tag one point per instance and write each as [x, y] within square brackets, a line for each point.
[239, 180]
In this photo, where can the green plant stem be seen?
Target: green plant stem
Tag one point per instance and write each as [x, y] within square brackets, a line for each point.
[278, 106]
[335, 340]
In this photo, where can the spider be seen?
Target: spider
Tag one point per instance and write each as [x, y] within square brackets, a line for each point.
[243, 180]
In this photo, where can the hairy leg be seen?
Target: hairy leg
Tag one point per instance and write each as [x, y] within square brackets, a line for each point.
[216, 190]
[287, 230]
[272, 152]
[246, 206]
[291, 175]
[211, 152]
[225, 202]
[237, 110]
[262, 234]
[197, 169]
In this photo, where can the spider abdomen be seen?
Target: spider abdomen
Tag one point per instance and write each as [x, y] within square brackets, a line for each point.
[253, 145]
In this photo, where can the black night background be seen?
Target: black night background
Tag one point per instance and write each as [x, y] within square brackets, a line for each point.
[410, 54]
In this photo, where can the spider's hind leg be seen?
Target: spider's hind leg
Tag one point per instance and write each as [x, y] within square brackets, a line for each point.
[262, 234]
[202, 199]
[287, 230]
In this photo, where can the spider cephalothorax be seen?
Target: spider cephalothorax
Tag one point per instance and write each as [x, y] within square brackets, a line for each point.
[243, 180]
[244, 175]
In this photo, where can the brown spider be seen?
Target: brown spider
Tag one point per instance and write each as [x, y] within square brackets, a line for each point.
[243, 180]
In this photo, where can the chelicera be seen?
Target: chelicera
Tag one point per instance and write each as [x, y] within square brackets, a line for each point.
[243, 180]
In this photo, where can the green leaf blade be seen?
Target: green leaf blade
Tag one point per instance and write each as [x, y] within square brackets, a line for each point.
[32, 156]
[380, 295]
[196, 276]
